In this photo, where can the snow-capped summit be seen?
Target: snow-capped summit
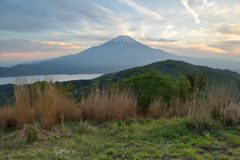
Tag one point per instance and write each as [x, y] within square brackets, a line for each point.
[123, 39]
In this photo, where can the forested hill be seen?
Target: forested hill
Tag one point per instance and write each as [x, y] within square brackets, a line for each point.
[174, 68]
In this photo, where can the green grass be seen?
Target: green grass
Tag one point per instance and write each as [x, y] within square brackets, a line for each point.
[133, 139]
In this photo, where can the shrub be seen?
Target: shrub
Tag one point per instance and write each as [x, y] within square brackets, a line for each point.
[150, 86]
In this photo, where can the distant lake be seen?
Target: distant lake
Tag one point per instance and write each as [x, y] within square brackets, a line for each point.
[54, 78]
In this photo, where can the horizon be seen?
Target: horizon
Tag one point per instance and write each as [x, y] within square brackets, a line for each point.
[32, 30]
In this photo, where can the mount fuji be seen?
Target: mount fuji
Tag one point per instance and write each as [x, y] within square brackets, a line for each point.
[120, 53]
[117, 54]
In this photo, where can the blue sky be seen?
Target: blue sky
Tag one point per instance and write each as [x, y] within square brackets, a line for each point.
[33, 30]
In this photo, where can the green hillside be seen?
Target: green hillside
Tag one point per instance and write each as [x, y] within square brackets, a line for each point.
[173, 68]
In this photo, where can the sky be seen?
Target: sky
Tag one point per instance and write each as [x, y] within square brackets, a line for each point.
[33, 30]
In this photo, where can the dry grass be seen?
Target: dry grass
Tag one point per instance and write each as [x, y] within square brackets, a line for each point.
[108, 105]
[22, 112]
[231, 114]
[7, 118]
[46, 106]
[220, 98]
[201, 120]
[223, 104]
[67, 110]
[175, 108]
[220, 104]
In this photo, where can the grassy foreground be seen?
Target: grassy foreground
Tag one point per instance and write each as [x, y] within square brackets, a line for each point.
[132, 139]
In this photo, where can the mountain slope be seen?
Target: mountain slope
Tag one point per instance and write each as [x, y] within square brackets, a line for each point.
[173, 68]
[120, 53]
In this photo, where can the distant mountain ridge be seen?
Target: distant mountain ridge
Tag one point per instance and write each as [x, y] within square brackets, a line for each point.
[117, 54]
[174, 68]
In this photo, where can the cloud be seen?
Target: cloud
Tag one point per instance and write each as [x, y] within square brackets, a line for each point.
[21, 45]
[233, 29]
[205, 1]
[35, 16]
[143, 10]
[158, 39]
[188, 49]
[233, 47]
[22, 50]
[188, 8]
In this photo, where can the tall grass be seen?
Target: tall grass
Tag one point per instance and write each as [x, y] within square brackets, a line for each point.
[7, 118]
[47, 107]
[220, 104]
[175, 108]
[108, 105]
[23, 112]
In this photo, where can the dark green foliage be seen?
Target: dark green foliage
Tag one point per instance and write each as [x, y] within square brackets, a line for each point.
[6, 94]
[65, 89]
[183, 87]
[197, 81]
[153, 85]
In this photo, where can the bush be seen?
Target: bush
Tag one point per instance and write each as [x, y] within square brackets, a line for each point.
[150, 86]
